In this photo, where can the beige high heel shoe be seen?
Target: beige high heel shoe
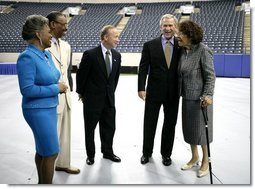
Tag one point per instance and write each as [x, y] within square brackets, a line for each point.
[187, 166]
[201, 173]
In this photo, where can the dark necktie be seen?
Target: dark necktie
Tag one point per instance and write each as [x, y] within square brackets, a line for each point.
[108, 63]
[168, 53]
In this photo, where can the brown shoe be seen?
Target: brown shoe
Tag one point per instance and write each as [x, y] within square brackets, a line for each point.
[70, 170]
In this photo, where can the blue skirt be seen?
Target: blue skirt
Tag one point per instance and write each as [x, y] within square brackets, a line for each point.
[43, 123]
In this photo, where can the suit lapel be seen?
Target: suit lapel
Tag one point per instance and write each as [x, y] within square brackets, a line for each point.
[159, 48]
[53, 50]
[193, 62]
[175, 56]
[62, 50]
[159, 51]
[101, 61]
[114, 63]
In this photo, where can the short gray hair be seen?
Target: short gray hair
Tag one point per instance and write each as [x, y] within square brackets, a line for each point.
[168, 16]
[34, 23]
[105, 29]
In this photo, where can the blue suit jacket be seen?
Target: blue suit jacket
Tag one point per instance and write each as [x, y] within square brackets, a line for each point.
[38, 78]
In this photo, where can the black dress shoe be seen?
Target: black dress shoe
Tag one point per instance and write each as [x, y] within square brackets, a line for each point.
[144, 159]
[166, 161]
[90, 161]
[112, 157]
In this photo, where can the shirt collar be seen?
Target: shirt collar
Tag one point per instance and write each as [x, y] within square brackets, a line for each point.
[54, 40]
[38, 52]
[105, 49]
[194, 46]
[164, 40]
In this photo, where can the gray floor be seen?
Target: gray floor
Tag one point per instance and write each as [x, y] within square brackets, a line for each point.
[230, 150]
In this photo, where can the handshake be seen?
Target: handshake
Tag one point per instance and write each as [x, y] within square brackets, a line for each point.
[62, 87]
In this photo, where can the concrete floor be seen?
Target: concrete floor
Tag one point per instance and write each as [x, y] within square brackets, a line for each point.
[230, 150]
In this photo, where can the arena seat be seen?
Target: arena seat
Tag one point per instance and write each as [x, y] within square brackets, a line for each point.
[223, 32]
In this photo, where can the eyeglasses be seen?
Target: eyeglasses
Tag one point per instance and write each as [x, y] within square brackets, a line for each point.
[63, 24]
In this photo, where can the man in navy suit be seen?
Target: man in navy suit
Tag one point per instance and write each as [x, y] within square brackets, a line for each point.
[96, 80]
[161, 89]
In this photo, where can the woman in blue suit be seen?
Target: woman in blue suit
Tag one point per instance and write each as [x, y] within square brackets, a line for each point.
[38, 82]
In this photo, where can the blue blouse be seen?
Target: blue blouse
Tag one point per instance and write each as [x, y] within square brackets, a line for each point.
[38, 78]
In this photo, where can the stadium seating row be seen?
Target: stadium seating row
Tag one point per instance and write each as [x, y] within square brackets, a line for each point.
[223, 30]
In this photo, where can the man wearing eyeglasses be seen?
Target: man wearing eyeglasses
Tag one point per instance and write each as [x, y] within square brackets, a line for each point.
[61, 55]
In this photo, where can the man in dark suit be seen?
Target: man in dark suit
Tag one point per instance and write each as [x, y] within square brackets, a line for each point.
[159, 61]
[97, 79]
